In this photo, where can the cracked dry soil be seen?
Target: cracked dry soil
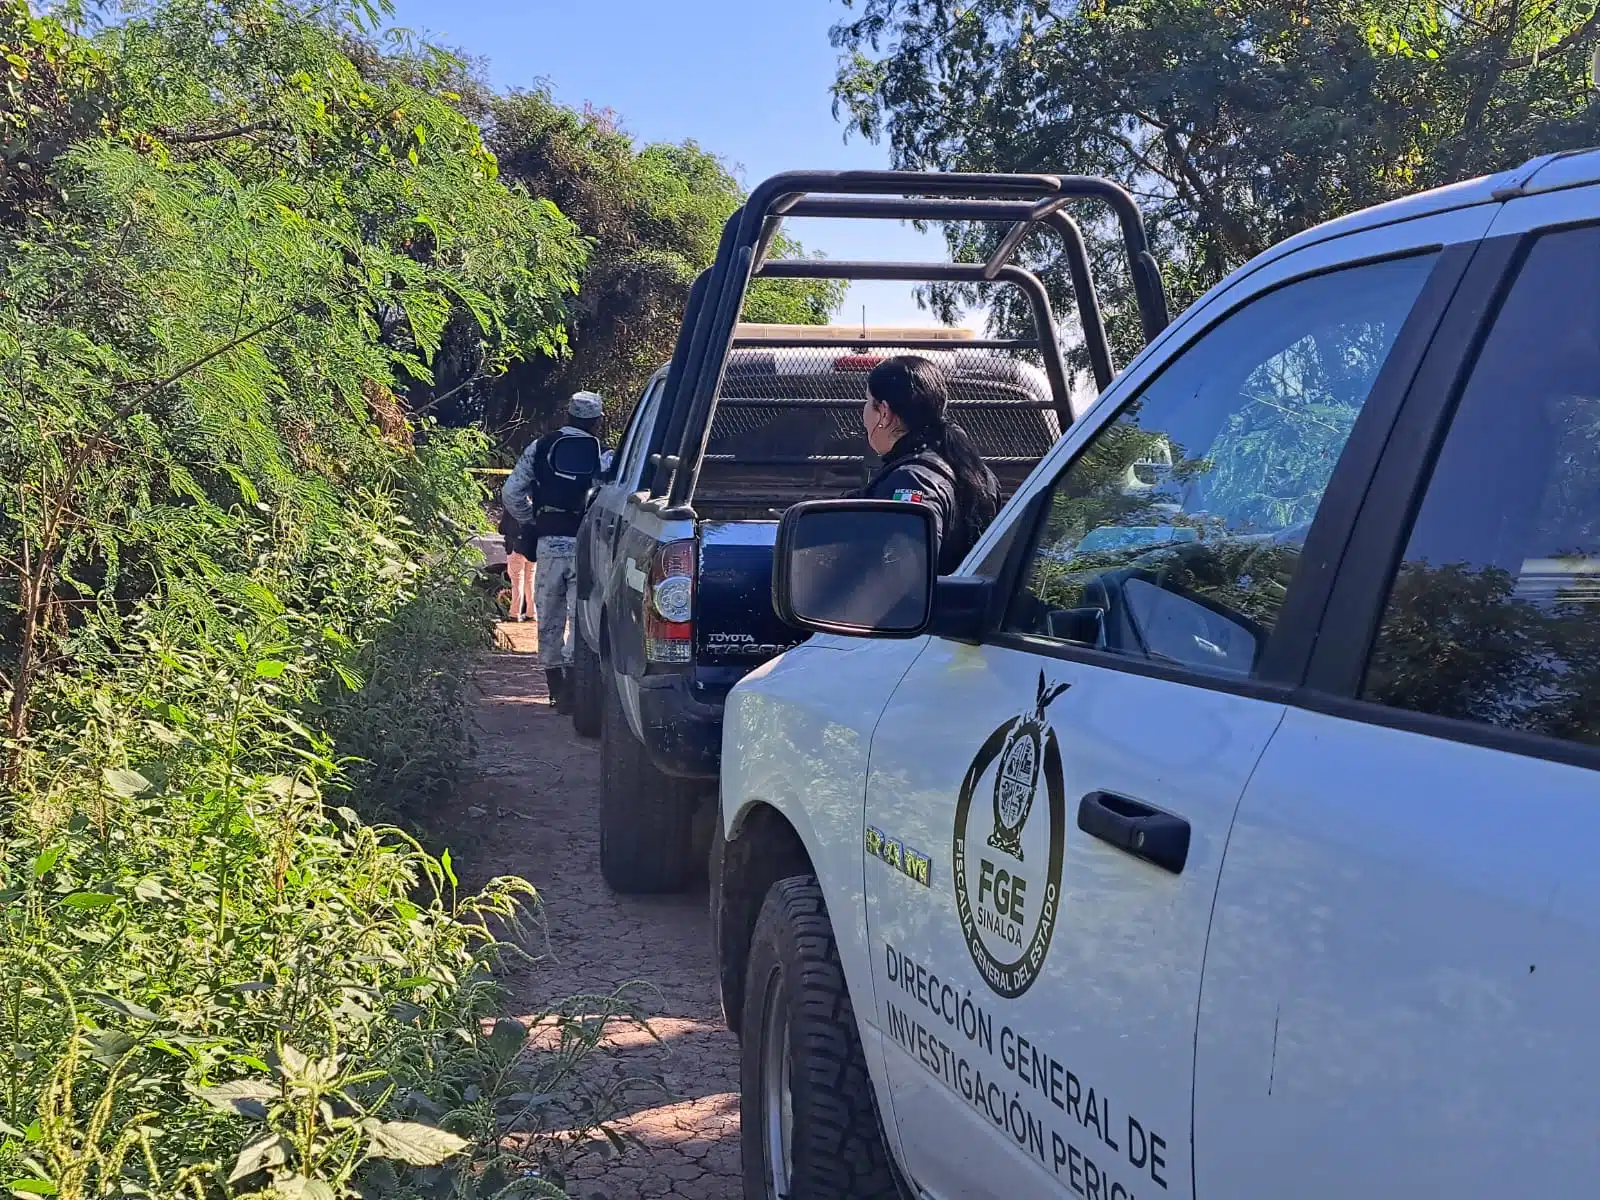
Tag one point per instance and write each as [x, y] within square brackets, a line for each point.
[528, 808]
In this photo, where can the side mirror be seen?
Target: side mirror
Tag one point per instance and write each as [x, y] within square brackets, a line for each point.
[864, 568]
[575, 454]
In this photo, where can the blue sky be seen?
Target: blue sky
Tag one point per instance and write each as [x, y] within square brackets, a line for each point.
[747, 79]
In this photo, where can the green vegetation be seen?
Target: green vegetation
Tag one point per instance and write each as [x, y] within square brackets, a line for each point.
[266, 277]
[654, 215]
[1236, 122]
[238, 615]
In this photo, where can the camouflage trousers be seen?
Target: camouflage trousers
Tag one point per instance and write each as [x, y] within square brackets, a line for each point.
[555, 599]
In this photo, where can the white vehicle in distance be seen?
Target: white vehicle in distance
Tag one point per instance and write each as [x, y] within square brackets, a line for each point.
[1255, 864]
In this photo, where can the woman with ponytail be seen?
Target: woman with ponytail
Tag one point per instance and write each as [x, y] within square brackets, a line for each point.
[927, 459]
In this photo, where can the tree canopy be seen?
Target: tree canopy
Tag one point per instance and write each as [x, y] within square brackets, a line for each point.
[652, 216]
[233, 583]
[226, 232]
[1235, 122]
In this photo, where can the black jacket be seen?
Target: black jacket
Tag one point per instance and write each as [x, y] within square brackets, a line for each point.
[916, 471]
[518, 537]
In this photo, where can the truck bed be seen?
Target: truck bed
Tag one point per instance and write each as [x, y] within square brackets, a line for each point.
[780, 437]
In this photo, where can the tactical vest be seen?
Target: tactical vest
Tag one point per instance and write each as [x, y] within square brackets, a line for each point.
[558, 498]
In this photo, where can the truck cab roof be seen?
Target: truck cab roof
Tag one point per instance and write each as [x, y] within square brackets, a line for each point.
[1547, 173]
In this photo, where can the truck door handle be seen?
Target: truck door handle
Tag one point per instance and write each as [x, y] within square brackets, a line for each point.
[1138, 829]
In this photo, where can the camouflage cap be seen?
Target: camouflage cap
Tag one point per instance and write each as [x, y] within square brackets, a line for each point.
[586, 406]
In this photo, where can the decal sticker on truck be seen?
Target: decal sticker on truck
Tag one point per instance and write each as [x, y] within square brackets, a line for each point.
[746, 644]
[636, 578]
[1006, 856]
[1013, 1079]
[913, 864]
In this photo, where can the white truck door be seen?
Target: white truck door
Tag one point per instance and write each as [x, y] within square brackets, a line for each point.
[1399, 995]
[1047, 812]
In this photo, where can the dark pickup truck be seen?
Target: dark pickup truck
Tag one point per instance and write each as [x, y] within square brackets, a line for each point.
[675, 551]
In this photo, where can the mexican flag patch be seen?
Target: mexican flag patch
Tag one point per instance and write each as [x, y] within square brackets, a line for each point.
[907, 494]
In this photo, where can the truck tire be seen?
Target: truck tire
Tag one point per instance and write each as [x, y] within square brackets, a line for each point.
[801, 1041]
[646, 816]
[585, 689]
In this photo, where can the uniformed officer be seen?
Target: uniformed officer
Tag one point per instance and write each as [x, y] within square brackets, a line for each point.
[536, 494]
[927, 459]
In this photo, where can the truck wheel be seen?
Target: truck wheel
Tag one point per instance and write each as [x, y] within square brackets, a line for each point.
[646, 817]
[807, 1110]
[585, 689]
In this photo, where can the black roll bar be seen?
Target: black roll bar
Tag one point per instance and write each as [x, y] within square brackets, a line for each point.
[1024, 217]
[901, 208]
[1030, 284]
[1021, 200]
[833, 460]
[781, 195]
[1077, 256]
[687, 351]
[899, 343]
[691, 455]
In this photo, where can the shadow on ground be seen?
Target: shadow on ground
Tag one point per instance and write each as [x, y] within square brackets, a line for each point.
[528, 808]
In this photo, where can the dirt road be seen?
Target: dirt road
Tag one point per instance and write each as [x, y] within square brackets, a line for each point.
[529, 810]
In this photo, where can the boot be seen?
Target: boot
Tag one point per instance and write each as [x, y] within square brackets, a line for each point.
[555, 679]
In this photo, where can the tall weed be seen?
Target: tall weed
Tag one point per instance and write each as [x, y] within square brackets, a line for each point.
[213, 974]
[237, 621]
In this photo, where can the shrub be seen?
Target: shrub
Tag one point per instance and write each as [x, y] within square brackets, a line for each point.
[238, 619]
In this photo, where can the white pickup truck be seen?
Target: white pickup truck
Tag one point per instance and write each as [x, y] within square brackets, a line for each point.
[1256, 860]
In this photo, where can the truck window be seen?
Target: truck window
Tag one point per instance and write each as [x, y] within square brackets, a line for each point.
[639, 433]
[1204, 485]
[1494, 614]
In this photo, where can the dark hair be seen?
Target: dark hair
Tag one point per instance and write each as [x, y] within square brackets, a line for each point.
[915, 390]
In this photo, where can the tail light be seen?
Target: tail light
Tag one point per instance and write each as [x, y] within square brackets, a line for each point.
[669, 604]
[857, 362]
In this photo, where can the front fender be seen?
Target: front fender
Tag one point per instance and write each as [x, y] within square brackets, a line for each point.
[795, 743]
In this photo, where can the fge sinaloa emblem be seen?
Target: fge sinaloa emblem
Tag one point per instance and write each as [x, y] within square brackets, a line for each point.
[1006, 856]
